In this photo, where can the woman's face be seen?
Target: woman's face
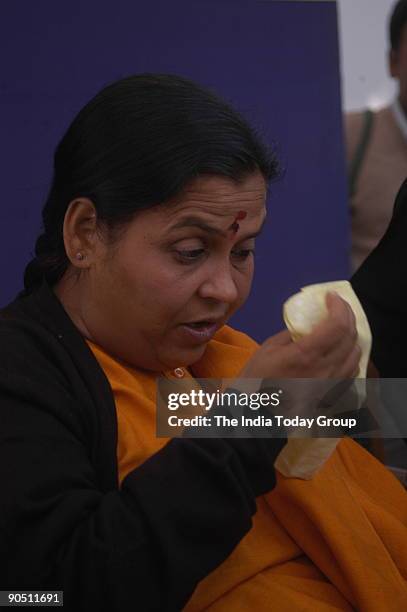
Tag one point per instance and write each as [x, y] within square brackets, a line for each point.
[174, 267]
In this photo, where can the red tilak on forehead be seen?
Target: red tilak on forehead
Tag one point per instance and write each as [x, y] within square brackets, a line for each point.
[242, 214]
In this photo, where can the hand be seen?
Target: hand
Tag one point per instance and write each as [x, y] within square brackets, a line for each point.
[329, 351]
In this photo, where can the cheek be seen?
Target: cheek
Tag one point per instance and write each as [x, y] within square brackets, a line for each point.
[151, 291]
[244, 284]
[242, 278]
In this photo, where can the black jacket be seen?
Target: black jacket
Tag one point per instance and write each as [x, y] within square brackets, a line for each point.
[381, 286]
[64, 522]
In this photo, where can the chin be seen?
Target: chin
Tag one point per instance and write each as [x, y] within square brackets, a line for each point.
[185, 357]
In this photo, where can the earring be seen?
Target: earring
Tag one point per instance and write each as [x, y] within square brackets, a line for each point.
[79, 256]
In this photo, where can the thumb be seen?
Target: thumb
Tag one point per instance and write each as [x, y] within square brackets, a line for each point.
[283, 338]
[338, 307]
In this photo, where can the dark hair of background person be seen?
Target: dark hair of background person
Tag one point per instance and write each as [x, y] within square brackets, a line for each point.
[398, 20]
[137, 144]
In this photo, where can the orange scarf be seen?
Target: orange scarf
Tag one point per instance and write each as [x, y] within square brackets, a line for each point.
[338, 541]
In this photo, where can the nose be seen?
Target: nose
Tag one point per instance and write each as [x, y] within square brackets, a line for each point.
[219, 284]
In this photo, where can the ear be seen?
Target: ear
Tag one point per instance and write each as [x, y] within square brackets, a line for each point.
[80, 236]
[394, 64]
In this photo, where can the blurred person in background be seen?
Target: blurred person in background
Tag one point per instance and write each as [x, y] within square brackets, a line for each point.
[376, 148]
[382, 291]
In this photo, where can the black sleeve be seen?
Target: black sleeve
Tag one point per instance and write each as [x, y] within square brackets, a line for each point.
[143, 547]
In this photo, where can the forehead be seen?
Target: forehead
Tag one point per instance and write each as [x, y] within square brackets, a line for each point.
[219, 197]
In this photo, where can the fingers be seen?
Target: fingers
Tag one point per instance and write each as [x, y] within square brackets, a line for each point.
[350, 366]
[342, 349]
[283, 338]
[329, 351]
[332, 345]
[337, 331]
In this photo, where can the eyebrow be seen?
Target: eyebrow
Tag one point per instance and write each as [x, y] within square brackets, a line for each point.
[193, 221]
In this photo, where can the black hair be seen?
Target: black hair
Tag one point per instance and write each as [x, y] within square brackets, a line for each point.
[137, 144]
[398, 20]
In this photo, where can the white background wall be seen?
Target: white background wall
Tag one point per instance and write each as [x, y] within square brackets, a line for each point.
[363, 27]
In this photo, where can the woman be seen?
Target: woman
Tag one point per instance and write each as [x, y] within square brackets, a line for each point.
[149, 230]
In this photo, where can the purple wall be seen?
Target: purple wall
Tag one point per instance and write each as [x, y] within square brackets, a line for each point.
[276, 61]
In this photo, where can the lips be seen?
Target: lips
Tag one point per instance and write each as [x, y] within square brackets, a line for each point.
[200, 324]
[200, 331]
[205, 321]
[204, 324]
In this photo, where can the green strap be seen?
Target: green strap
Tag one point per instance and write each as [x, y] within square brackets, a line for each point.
[357, 161]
